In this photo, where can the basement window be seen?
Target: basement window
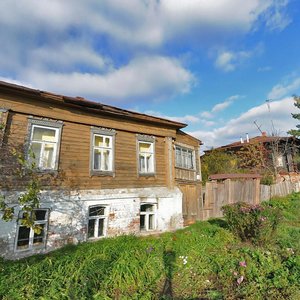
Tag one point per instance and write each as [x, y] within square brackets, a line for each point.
[27, 239]
[148, 217]
[97, 222]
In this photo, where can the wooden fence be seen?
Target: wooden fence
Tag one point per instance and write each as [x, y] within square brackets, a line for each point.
[219, 193]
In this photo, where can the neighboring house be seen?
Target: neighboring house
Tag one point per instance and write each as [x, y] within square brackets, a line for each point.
[104, 171]
[278, 152]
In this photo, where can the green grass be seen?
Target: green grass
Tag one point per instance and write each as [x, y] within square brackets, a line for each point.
[198, 262]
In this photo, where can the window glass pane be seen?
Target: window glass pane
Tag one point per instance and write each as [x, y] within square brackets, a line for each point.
[91, 228]
[38, 238]
[98, 140]
[144, 147]
[40, 215]
[23, 237]
[151, 222]
[44, 134]
[149, 164]
[107, 142]
[142, 222]
[147, 207]
[96, 211]
[97, 159]
[178, 157]
[47, 159]
[36, 149]
[106, 157]
[142, 163]
[100, 227]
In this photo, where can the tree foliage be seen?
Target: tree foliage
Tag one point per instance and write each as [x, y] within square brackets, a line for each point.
[296, 132]
[14, 164]
[218, 162]
[252, 157]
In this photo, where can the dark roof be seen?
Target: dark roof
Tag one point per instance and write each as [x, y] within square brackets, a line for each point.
[263, 139]
[87, 105]
[233, 176]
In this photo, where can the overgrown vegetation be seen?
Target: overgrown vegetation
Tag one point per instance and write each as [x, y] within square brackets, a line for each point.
[252, 223]
[203, 261]
[217, 162]
[29, 199]
[296, 132]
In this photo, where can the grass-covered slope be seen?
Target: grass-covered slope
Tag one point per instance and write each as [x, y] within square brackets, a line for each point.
[203, 261]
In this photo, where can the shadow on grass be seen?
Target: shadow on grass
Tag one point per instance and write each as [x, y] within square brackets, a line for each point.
[169, 260]
[219, 222]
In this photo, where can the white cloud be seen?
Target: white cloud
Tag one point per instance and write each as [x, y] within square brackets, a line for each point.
[279, 115]
[220, 107]
[147, 23]
[57, 45]
[229, 60]
[206, 115]
[281, 90]
[67, 56]
[276, 17]
[146, 77]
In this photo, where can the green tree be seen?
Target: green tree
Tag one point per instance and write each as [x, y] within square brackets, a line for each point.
[218, 162]
[14, 164]
[296, 132]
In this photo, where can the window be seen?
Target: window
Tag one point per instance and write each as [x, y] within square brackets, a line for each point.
[27, 239]
[146, 156]
[44, 144]
[184, 158]
[102, 155]
[97, 221]
[147, 217]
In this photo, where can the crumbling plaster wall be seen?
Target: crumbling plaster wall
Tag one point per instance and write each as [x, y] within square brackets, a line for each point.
[68, 216]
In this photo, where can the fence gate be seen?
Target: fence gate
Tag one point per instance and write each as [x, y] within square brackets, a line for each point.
[191, 204]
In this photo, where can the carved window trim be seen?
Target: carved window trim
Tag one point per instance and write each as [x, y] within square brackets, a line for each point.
[103, 132]
[48, 124]
[179, 163]
[147, 139]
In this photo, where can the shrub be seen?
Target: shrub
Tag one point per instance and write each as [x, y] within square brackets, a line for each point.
[253, 223]
[267, 179]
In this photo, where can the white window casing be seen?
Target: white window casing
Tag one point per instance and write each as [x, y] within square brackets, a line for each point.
[26, 238]
[148, 216]
[146, 155]
[184, 158]
[44, 143]
[97, 221]
[102, 151]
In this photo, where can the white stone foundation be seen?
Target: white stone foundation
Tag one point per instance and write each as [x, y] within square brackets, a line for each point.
[68, 217]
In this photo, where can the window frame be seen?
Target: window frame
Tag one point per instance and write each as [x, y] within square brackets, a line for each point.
[182, 164]
[151, 141]
[147, 214]
[31, 246]
[105, 133]
[97, 218]
[47, 124]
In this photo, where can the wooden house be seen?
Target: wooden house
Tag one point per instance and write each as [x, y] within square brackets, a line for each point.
[278, 153]
[103, 171]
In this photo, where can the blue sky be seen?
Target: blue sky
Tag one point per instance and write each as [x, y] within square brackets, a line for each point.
[210, 64]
